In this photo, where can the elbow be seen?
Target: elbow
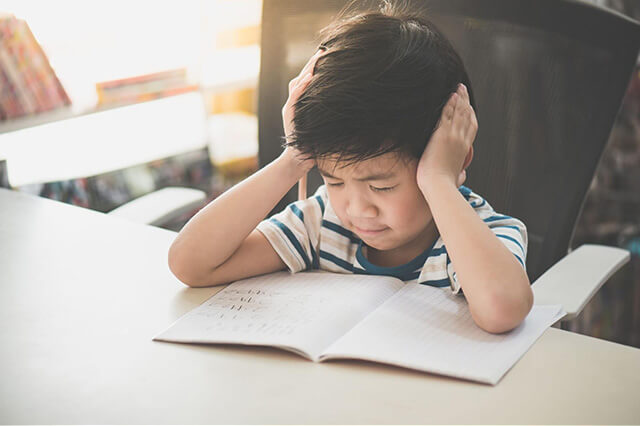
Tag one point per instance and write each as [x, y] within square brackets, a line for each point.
[506, 312]
[180, 268]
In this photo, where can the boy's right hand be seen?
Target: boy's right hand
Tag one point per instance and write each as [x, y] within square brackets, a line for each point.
[296, 88]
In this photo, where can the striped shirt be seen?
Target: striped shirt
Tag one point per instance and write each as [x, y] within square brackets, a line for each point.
[308, 235]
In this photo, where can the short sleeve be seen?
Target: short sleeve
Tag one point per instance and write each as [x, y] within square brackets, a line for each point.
[453, 279]
[512, 233]
[294, 232]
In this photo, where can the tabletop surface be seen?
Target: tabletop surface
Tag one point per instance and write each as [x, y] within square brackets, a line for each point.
[82, 294]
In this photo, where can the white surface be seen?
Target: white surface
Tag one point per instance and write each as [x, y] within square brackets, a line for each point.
[105, 141]
[335, 316]
[432, 330]
[160, 206]
[574, 280]
[83, 294]
[306, 312]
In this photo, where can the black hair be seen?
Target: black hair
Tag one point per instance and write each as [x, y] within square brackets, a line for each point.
[380, 86]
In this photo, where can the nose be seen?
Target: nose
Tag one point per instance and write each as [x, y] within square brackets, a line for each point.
[358, 206]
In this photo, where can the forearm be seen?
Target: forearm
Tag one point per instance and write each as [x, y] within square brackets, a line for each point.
[217, 230]
[494, 283]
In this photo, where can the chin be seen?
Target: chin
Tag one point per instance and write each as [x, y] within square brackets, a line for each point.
[380, 245]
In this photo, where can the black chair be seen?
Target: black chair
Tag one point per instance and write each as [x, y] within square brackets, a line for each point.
[548, 78]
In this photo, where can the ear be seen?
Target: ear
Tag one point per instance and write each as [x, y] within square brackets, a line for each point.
[468, 158]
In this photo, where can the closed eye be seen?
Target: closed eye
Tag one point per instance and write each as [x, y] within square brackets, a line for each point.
[334, 183]
[381, 189]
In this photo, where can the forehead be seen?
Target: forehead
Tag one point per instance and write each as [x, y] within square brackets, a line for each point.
[386, 164]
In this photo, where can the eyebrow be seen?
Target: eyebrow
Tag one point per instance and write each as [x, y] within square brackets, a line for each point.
[375, 176]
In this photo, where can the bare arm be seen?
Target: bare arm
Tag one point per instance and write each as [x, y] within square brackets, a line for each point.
[220, 244]
[494, 283]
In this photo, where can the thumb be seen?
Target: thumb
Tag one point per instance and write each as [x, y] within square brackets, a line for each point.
[461, 178]
[468, 158]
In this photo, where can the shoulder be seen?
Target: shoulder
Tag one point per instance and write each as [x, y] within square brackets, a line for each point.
[294, 232]
[308, 210]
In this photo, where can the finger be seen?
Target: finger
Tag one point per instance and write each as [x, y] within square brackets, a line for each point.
[462, 115]
[462, 177]
[471, 116]
[468, 158]
[474, 120]
[294, 94]
[458, 120]
[467, 120]
[447, 113]
[305, 71]
[295, 81]
[472, 128]
[310, 65]
[302, 84]
[302, 188]
[464, 92]
[449, 108]
[466, 117]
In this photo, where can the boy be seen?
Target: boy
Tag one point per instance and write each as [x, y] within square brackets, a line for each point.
[373, 110]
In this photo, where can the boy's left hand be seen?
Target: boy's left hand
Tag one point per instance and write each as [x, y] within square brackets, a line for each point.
[450, 149]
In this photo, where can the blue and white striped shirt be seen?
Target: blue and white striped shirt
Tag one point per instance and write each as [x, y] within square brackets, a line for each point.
[308, 235]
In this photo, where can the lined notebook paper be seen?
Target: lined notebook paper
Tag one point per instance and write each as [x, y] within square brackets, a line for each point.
[428, 329]
[303, 313]
[323, 316]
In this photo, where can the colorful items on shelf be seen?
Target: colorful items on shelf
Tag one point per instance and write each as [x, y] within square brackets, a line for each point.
[28, 83]
[144, 87]
[106, 191]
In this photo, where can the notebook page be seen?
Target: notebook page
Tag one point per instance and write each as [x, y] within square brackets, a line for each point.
[430, 329]
[302, 312]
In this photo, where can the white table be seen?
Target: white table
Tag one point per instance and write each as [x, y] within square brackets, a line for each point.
[82, 294]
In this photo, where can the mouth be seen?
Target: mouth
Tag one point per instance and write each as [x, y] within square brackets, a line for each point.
[369, 232]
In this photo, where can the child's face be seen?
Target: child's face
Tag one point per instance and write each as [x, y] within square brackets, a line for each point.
[379, 200]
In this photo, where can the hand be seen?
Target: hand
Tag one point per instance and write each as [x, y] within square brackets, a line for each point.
[450, 149]
[296, 88]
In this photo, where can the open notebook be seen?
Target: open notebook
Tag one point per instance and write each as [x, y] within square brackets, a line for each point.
[321, 316]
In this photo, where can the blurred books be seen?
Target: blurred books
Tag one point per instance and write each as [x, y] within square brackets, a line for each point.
[144, 87]
[28, 84]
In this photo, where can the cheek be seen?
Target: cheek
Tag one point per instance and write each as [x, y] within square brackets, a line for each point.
[407, 212]
[338, 204]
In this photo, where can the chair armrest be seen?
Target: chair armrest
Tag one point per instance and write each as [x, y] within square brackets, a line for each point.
[574, 280]
[161, 206]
